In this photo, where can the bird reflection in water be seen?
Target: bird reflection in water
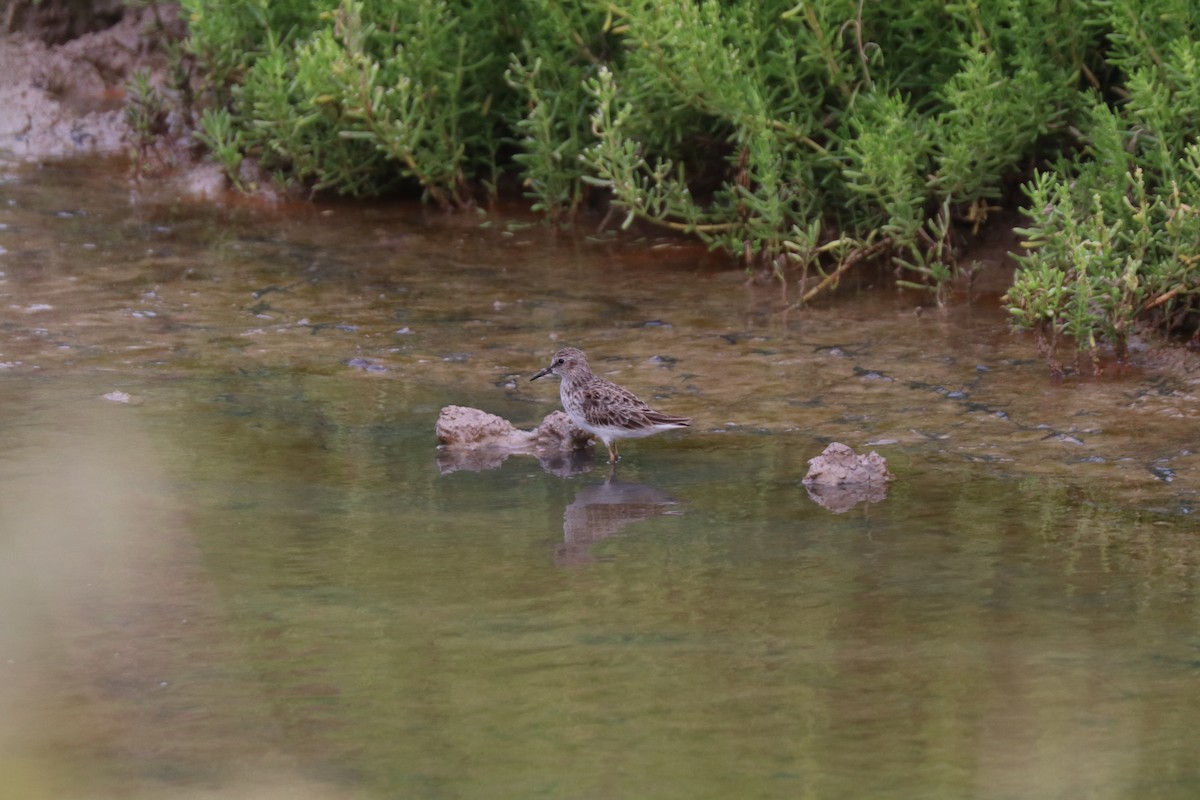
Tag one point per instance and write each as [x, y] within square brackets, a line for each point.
[603, 510]
[598, 511]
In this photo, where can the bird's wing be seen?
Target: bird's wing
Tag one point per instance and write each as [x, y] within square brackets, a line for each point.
[609, 405]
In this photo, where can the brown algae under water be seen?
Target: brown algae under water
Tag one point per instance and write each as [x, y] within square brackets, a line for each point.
[222, 516]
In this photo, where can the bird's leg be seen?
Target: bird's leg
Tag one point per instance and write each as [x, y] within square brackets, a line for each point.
[613, 455]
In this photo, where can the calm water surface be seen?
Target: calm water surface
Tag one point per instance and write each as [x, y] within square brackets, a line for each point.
[257, 578]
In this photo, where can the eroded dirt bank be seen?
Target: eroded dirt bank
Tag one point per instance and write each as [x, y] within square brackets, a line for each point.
[63, 75]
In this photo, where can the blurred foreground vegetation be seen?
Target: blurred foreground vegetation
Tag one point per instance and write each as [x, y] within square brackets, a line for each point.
[801, 137]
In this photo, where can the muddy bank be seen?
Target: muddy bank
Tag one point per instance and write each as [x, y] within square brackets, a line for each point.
[65, 73]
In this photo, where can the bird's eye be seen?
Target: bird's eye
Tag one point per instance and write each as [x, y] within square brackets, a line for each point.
[560, 362]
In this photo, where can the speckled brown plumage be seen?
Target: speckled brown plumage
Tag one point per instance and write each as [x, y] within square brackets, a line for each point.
[601, 407]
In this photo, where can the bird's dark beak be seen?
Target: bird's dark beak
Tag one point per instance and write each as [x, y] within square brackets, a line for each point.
[541, 374]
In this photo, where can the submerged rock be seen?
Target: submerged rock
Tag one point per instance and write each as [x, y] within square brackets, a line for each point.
[118, 396]
[839, 479]
[475, 440]
[366, 365]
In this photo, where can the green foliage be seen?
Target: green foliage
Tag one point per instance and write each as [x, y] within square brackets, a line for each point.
[146, 112]
[365, 96]
[989, 122]
[886, 154]
[228, 36]
[1093, 269]
[559, 49]
[812, 116]
[1114, 239]
[733, 72]
[748, 112]
[801, 137]
[217, 132]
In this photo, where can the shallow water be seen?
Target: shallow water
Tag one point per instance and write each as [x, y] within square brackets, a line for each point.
[254, 578]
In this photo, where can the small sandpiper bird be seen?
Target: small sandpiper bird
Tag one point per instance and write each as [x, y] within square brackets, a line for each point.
[602, 408]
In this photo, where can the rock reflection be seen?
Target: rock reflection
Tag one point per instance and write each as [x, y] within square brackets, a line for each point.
[563, 464]
[602, 510]
[461, 460]
[840, 499]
